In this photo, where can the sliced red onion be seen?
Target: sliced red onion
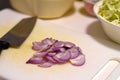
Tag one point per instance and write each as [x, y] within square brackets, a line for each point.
[80, 60]
[49, 41]
[59, 49]
[74, 52]
[44, 44]
[69, 44]
[64, 56]
[46, 64]
[58, 60]
[36, 46]
[51, 54]
[40, 46]
[35, 60]
[40, 54]
[51, 59]
[59, 44]
[51, 51]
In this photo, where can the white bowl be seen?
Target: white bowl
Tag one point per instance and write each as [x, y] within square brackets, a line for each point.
[43, 8]
[112, 30]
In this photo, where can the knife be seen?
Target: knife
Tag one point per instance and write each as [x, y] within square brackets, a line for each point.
[18, 34]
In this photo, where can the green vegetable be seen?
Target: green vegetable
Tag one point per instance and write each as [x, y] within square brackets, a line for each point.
[110, 10]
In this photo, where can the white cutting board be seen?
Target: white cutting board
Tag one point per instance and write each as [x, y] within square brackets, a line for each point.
[12, 61]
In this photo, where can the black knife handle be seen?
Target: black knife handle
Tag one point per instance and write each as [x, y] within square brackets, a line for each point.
[4, 45]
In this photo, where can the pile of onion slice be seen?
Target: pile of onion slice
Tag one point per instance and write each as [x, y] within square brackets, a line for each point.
[51, 51]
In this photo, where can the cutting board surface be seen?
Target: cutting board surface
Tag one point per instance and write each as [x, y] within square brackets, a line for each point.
[12, 61]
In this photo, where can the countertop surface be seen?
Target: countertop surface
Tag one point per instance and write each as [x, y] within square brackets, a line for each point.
[80, 22]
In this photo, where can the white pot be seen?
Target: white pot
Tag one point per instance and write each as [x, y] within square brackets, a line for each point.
[43, 8]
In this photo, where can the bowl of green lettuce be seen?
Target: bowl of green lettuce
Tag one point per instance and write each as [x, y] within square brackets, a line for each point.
[108, 12]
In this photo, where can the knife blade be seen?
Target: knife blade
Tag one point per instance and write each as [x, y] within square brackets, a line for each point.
[18, 34]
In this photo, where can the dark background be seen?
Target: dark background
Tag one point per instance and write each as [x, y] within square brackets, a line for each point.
[4, 4]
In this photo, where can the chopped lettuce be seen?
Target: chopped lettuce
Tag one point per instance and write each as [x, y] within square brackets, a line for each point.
[110, 10]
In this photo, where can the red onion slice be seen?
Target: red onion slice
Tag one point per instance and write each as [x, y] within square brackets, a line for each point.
[57, 49]
[51, 59]
[44, 44]
[40, 54]
[40, 46]
[36, 46]
[74, 52]
[59, 44]
[80, 60]
[35, 60]
[58, 60]
[69, 44]
[51, 54]
[46, 64]
[64, 56]
[48, 41]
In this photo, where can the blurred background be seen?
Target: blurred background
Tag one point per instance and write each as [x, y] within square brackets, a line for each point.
[4, 4]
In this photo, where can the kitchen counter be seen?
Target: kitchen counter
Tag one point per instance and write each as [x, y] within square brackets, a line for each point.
[80, 22]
